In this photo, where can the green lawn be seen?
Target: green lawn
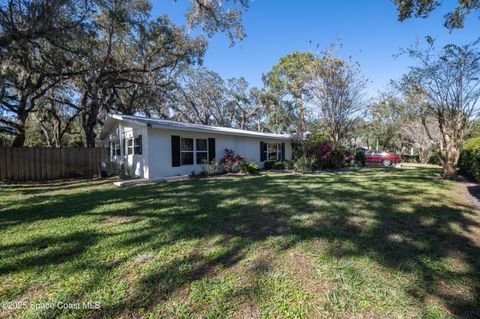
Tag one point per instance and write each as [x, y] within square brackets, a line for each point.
[376, 243]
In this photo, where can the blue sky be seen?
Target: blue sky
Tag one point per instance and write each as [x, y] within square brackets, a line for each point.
[369, 31]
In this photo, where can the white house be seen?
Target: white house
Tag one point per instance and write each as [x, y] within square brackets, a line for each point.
[156, 148]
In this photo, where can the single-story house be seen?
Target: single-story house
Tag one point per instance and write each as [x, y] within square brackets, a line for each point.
[156, 148]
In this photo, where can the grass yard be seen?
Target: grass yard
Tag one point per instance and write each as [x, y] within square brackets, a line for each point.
[377, 243]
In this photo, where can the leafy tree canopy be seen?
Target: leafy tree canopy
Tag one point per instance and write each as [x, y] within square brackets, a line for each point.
[423, 8]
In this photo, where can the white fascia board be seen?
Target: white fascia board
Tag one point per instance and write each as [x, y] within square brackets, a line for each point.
[181, 126]
[221, 132]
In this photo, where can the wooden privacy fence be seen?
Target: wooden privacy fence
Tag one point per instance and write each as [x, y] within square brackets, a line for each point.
[42, 163]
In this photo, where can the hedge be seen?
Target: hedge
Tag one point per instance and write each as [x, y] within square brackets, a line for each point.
[416, 159]
[410, 158]
[469, 162]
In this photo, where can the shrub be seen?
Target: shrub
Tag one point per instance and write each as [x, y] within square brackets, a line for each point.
[247, 167]
[336, 158]
[279, 165]
[268, 165]
[469, 162]
[230, 161]
[289, 164]
[324, 150]
[410, 158]
[304, 164]
[360, 158]
[316, 157]
[434, 159]
[209, 169]
[283, 165]
[125, 171]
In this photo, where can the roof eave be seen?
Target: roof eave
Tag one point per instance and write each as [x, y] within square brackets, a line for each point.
[107, 126]
[112, 118]
[203, 130]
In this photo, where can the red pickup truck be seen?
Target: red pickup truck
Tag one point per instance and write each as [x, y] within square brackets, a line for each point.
[381, 157]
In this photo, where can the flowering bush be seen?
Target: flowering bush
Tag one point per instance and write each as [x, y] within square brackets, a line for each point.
[319, 154]
[324, 149]
[309, 149]
[230, 161]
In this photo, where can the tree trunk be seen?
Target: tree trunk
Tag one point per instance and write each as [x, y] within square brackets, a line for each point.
[450, 147]
[449, 170]
[90, 134]
[89, 122]
[243, 122]
[450, 157]
[424, 154]
[20, 136]
[302, 126]
[19, 139]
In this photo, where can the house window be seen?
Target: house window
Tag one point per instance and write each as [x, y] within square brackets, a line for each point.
[186, 151]
[137, 145]
[130, 146]
[274, 151]
[134, 145]
[201, 151]
[115, 148]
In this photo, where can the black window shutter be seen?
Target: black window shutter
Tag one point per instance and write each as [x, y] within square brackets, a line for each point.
[140, 144]
[175, 151]
[211, 149]
[283, 151]
[262, 152]
[124, 146]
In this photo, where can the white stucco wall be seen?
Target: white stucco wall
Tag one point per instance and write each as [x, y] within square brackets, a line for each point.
[156, 158]
[161, 150]
[138, 163]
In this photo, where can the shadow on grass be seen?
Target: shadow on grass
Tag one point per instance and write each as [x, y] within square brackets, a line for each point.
[474, 190]
[247, 211]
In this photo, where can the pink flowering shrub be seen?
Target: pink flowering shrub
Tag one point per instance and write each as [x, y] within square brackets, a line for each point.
[230, 161]
[309, 149]
[324, 150]
[320, 154]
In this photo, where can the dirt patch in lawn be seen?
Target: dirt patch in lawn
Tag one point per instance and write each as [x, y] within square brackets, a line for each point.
[120, 219]
[300, 268]
[260, 224]
[32, 293]
[247, 310]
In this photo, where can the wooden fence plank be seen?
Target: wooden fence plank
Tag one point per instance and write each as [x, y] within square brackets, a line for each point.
[6, 158]
[2, 164]
[14, 158]
[21, 159]
[59, 162]
[5, 162]
[62, 163]
[36, 164]
[3, 169]
[39, 164]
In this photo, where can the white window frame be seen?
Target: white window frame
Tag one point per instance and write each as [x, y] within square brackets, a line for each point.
[197, 151]
[114, 146]
[139, 145]
[195, 161]
[278, 153]
[192, 151]
[130, 148]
